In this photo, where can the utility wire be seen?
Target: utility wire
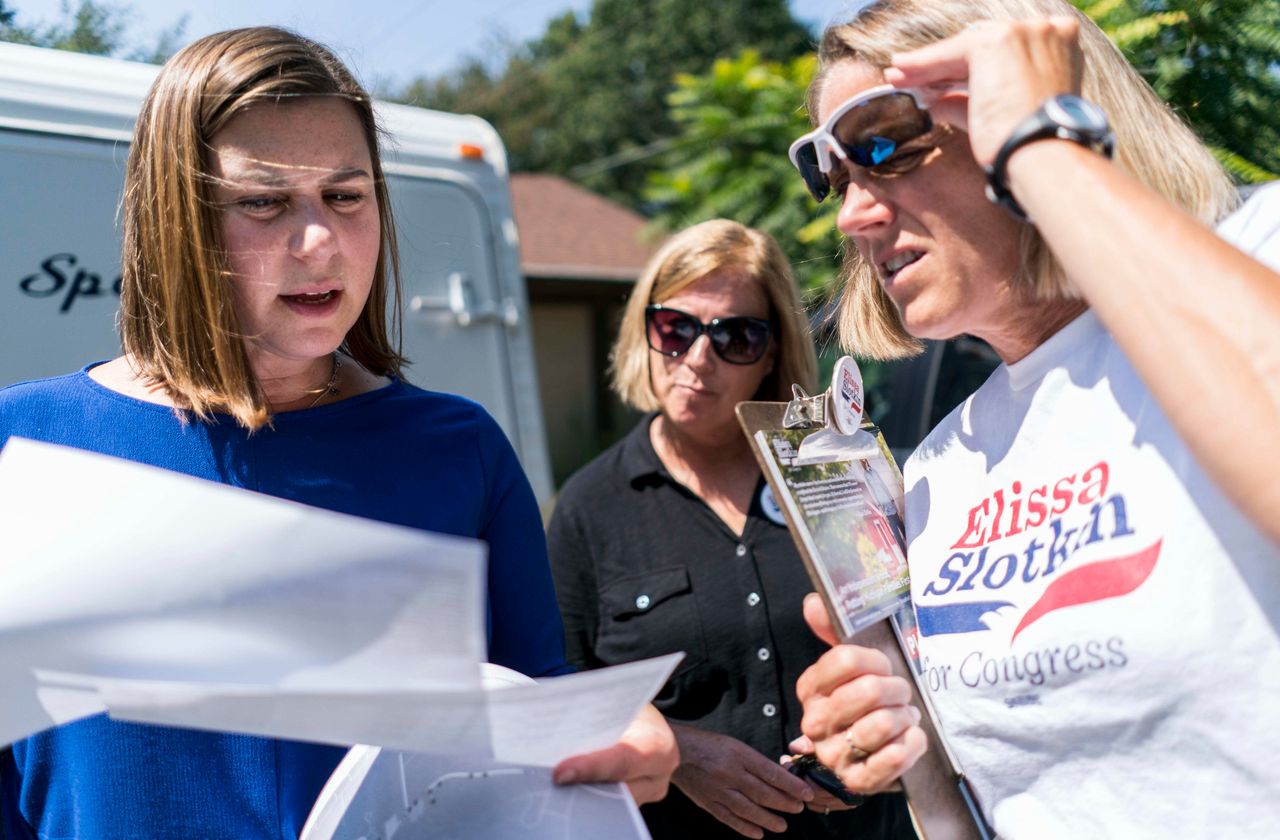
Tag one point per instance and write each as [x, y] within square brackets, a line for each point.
[396, 25]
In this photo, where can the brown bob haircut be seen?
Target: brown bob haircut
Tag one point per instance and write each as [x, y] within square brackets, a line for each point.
[178, 318]
[1152, 144]
[686, 258]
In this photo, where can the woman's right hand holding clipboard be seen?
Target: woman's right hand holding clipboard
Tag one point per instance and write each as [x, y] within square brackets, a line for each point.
[857, 717]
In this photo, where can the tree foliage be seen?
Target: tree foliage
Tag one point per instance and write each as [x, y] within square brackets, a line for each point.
[91, 27]
[587, 98]
[1217, 62]
[735, 124]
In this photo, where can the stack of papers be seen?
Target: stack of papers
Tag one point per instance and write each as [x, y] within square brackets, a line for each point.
[161, 598]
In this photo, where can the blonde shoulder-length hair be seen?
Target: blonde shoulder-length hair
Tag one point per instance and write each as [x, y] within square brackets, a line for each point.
[690, 256]
[177, 314]
[1152, 144]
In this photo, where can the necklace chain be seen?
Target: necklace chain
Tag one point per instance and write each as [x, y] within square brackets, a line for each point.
[331, 387]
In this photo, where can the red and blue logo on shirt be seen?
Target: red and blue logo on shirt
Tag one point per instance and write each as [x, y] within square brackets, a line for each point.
[1050, 523]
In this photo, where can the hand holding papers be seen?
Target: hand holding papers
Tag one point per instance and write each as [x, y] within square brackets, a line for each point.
[381, 792]
[170, 600]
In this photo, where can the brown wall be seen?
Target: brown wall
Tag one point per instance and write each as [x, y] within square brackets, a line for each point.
[575, 323]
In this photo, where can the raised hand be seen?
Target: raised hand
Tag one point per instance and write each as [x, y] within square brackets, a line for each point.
[1009, 67]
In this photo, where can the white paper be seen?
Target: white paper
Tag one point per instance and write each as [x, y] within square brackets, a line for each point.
[169, 600]
[376, 792]
[141, 573]
[577, 713]
[536, 724]
[410, 796]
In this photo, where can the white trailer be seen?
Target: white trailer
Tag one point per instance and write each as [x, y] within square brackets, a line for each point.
[65, 124]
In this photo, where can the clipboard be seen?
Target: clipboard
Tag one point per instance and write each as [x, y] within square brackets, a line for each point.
[941, 801]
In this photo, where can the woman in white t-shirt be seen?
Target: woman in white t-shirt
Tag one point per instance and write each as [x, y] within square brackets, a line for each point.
[1093, 533]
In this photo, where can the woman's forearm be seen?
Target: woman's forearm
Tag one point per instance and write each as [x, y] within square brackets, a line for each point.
[1199, 320]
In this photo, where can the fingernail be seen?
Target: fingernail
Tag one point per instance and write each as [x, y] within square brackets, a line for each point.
[915, 713]
[806, 795]
[565, 777]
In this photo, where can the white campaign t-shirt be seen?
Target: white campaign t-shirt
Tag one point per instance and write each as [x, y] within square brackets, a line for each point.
[1099, 627]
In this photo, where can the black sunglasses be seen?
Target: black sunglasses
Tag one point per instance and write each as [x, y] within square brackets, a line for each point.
[739, 340]
[868, 130]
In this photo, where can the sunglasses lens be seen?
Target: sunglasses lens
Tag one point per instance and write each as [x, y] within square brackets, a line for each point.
[670, 332]
[871, 151]
[740, 341]
[872, 132]
[807, 163]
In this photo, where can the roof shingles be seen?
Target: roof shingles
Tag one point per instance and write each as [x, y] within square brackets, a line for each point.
[569, 232]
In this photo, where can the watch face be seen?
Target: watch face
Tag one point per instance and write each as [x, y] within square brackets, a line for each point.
[1077, 113]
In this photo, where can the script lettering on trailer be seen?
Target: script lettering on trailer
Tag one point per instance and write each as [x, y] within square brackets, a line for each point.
[61, 279]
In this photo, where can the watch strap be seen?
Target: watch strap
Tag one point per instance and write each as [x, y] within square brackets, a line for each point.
[1038, 126]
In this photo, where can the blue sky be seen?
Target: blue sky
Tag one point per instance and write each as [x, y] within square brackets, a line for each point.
[388, 42]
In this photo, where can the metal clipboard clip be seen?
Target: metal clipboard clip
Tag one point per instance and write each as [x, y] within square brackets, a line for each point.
[838, 411]
[804, 411]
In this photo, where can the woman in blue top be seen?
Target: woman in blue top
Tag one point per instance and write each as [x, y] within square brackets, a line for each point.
[259, 255]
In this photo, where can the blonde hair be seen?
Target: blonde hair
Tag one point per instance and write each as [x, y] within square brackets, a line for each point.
[690, 256]
[1152, 143]
[177, 315]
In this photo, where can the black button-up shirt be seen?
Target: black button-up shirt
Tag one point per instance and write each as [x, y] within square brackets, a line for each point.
[644, 567]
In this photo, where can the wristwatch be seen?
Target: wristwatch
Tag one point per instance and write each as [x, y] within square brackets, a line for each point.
[1066, 117]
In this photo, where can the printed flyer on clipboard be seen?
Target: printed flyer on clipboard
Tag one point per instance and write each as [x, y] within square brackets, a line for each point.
[846, 511]
[840, 491]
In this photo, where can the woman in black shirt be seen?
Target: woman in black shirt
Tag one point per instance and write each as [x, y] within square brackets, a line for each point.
[671, 541]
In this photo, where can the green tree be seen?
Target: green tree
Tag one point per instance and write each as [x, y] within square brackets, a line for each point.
[92, 27]
[729, 160]
[1216, 62]
[587, 98]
